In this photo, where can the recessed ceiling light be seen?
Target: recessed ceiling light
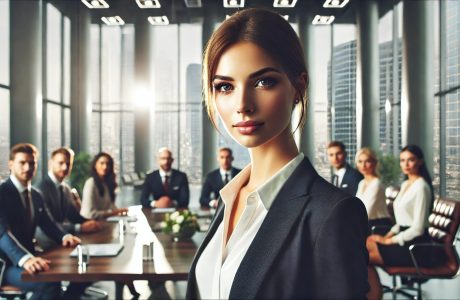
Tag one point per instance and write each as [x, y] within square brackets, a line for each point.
[113, 21]
[233, 3]
[193, 3]
[158, 20]
[95, 3]
[148, 3]
[335, 3]
[284, 3]
[323, 20]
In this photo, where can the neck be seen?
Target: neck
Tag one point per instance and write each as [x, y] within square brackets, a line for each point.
[413, 177]
[369, 177]
[267, 159]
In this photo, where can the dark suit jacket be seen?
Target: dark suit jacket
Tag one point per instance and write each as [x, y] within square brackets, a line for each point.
[61, 211]
[178, 188]
[213, 184]
[312, 244]
[15, 237]
[351, 180]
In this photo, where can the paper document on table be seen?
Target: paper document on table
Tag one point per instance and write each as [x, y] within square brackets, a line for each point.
[100, 249]
[123, 218]
[163, 210]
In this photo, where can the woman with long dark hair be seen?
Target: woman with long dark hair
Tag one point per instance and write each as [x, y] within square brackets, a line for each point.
[411, 208]
[280, 230]
[99, 190]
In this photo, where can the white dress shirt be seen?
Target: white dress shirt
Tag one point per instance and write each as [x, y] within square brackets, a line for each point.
[373, 197]
[340, 173]
[411, 208]
[217, 266]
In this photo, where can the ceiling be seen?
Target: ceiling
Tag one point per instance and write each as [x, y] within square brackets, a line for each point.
[178, 12]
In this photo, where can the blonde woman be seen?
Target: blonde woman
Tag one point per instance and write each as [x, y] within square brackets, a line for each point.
[370, 189]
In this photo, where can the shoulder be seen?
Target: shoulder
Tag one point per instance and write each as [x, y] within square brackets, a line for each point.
[36, 194]
[89, 183]
[422, 185]
[152, 174]
[182, 174]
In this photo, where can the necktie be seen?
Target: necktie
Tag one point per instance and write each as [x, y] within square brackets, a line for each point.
[166, 184]
[335, 180]
[28, 207]
[226, 178]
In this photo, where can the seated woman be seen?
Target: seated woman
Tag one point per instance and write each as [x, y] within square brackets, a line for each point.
[370, 190]
[411, 207]
[99, 190]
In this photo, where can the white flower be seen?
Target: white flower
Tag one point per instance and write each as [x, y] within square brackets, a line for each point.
[163, 224]
[180, 219]
[174, 216]
[176, 228]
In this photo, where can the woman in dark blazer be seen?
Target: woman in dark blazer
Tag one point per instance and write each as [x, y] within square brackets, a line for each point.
[282, 232]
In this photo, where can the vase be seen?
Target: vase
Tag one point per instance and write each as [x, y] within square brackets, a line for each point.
[184, 234]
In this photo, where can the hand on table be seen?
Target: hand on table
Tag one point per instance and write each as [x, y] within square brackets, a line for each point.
[90, 226]
[36, 264]
[70, 240]
[164, 202]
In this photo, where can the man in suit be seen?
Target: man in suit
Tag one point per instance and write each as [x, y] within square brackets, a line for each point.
[22, 210]
[344, 177]
[168, 186]
[218, 178]
[58, 196]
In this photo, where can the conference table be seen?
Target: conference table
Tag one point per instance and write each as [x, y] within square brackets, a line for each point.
[171, 259]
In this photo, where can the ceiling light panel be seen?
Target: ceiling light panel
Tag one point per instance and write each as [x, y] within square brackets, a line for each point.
[284, 3]
[158, 20]
[233, 3]
[323, 20]
[335, 3]
[193, 3]
[95, 4]
[113, 21]
[148, 3]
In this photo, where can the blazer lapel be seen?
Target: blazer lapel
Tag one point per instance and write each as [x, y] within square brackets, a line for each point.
[282, 216]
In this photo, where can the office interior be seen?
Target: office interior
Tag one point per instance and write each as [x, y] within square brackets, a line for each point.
[126, 79]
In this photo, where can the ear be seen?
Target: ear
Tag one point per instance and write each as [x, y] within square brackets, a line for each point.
[301, 84]
[10, 164]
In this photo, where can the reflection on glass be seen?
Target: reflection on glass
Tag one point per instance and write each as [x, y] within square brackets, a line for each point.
[5, 42]
[54, 127]
[53, 53]
[4, 132]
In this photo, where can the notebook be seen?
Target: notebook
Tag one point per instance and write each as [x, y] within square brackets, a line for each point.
[100, 249]
[124, 218]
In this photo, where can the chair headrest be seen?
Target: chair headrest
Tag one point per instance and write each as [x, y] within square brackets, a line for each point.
[444, 220]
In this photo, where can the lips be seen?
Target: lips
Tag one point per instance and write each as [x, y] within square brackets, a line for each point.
[248, 127]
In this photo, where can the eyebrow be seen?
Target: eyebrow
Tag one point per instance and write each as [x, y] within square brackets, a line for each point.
[252, 75]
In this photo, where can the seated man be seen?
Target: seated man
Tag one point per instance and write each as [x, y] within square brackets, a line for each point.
[217, 179]
[168, 186]
[22, 209]
[58, 195]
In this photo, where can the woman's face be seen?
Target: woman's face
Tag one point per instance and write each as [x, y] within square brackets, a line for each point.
[409, 163]
[102, 166]
[253, 95]
[366, 165]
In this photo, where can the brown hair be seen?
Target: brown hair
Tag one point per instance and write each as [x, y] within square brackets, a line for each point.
[23, 148]
[226, 149]
[267, 30]
[67, 152]
[109, 179]
[337, 144]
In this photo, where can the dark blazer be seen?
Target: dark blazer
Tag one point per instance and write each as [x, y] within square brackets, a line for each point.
[63, 212]
[351, 180]
[312, 244]
[213, 184]
[178, 188]
[16, 239]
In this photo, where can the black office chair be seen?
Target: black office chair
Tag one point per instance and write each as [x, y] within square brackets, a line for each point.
[6, 291]
[444, 223]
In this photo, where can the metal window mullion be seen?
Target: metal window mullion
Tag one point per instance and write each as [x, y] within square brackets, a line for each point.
[100, 87]
[442, 98]
[62, 79]
[44, 88]
[122, 57]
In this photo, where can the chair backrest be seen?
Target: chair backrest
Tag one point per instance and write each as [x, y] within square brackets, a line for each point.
[391, 193]
[127, 179]
[444, 220]
[135, 177]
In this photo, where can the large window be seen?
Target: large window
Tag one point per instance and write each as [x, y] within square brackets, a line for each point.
[112, 129]
[4, 88]
[57, 80]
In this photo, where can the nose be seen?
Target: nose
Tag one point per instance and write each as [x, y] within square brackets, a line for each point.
[245, 103]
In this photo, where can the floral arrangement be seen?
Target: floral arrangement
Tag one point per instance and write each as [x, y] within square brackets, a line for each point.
[181, 223]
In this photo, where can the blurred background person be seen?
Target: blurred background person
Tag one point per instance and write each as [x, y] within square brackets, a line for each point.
[345, 176]
[411, 208]
[99, 190]
[217, 179]
[370, 189]
[168, 186]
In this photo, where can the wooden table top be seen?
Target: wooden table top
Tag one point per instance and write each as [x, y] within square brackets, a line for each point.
[172, 260]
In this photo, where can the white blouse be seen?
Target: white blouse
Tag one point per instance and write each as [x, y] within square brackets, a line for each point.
[411, 208]
[217, 266]
[373, 198]
[94, 206]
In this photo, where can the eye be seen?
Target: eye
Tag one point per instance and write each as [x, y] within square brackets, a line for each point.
[266, 82]
[222, 87]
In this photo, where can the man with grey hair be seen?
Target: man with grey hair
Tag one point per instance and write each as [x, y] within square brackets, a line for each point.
[165, 187]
